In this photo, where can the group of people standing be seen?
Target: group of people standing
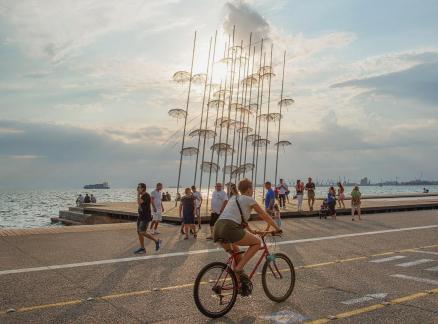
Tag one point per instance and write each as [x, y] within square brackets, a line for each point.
[338, 197]
[87, 199]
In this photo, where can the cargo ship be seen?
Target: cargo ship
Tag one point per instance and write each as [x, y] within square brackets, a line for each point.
[103, 185]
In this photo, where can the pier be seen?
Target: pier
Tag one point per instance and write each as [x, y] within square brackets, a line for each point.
[117, 212]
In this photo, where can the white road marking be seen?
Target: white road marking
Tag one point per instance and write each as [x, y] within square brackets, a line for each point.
[204, 251]
[396, 257]
[414, 263]
[425, 280]
[364, 299]
[285, 316]
[434, 269]
[426, 252]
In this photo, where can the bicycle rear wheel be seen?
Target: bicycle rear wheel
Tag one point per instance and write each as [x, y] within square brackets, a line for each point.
[278, 277]
[215, 290]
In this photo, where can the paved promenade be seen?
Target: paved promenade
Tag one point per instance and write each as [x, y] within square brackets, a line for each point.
[381, 269]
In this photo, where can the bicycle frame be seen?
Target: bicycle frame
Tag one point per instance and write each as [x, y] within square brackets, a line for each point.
[234, 257]
[233, 260]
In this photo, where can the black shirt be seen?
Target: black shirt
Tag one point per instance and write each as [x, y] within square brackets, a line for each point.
[188, 203]
[144, 209]
[310, 186]
[87, 199]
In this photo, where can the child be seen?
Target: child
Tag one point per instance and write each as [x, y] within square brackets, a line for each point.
[276, 215]
[187, 212]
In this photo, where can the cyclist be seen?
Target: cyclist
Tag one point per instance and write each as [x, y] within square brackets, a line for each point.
[231, 229]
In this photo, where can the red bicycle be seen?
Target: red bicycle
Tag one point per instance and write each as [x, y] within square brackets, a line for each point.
[216, 286]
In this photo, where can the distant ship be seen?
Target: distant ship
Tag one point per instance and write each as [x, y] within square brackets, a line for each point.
[103, 185]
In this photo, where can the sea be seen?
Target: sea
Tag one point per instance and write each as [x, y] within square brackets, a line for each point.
[34, 208]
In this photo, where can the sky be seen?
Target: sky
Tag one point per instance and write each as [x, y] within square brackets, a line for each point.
[85, 87]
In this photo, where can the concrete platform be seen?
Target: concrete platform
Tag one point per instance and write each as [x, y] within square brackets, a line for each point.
[127, 211]
[88, 274]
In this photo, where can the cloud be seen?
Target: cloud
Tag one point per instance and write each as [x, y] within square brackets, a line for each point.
[44, 154]
[59, 30]
[8, 130]
[25, 157]
[419, 83]
[247, 20]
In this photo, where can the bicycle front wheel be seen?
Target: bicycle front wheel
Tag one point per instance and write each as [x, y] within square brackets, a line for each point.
[278, 277]
[215, 290]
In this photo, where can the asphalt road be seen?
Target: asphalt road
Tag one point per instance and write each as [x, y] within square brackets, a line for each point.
[381, 269]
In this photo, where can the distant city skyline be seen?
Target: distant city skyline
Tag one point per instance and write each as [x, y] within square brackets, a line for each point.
[85, 87]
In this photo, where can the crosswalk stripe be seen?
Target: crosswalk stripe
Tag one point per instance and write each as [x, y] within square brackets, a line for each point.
[418, 279]
[396, 257]
[414, 263]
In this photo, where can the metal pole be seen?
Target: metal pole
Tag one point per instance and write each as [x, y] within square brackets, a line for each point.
[206, 124]
[249, 106]
[256, 120]
[233, 66]
[227, 50]
[211, 157]
[259, 127]
[202, 114]
[279, 121]
[235, 112]
[246, 74]
[267, 120]
[185, 119]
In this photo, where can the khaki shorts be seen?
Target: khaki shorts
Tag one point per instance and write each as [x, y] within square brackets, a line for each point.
[311, 195]
[227, 231]
[157, 216]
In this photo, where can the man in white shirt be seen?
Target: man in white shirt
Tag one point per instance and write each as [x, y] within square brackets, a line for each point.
[219, 200]
[282, 189]
[157, 208]
[198, 202]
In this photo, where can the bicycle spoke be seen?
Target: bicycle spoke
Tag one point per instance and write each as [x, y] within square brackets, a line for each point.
[278, 284]
[215, 290]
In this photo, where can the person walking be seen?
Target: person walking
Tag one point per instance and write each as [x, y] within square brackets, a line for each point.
[355, 202]
[282, 189]
[144, 217]
[341, 195]
[93, 199]
[157, 207]
[219, 200]
[80, 200]
[198, 202]
[331, 202]
[269, 199]
[310, 188]
[87, 199]
[299, 189]
[187, 208]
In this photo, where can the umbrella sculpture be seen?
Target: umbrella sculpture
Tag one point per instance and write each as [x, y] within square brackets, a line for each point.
[230, 168]
[221, 148]
[177, 113]
[207, 133]
[209, 167]
[240, 101]
[189, 151]
[199, 78]
[181, 76]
